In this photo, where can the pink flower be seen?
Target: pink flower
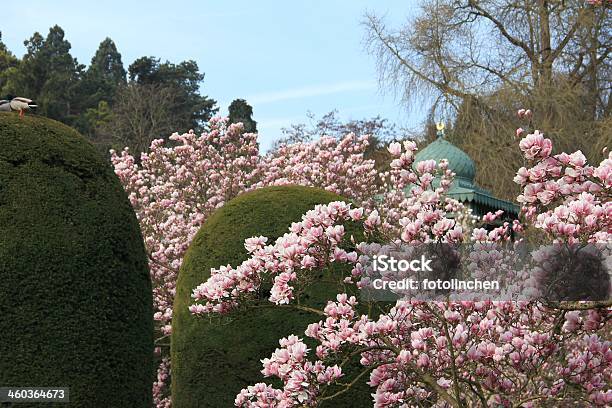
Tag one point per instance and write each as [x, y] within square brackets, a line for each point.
[356, 214]
[423, 361]
[308, 262]
[444, 383]
[373, 219]
[563, 196]
[395, 148]
[577, 159]
[426, 166]
[254, 243]
[535, 146]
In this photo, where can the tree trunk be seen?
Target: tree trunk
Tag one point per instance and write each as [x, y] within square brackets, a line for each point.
[545, 77]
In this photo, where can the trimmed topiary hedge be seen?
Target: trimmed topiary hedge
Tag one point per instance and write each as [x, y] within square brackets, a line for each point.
[213, 360]
[75, 292]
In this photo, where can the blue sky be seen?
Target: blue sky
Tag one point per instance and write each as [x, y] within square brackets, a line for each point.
[284, 57]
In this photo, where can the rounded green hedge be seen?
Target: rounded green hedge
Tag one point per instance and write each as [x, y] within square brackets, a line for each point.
[75, 292]
[213, 360]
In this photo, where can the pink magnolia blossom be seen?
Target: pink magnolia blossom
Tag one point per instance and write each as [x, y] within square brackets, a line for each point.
[536, 146]
[173, 189]
[504, 353]
[563, 195]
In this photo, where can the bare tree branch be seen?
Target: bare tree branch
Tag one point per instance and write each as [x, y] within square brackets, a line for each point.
[502, 29]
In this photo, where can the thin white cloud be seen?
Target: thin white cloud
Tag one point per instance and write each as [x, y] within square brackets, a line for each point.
[309, 91]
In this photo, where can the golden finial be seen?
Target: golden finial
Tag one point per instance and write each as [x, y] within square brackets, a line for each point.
[440, 127]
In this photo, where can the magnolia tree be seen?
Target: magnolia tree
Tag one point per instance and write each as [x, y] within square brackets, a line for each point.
[434, 353]
[176, 186]
[336, 165]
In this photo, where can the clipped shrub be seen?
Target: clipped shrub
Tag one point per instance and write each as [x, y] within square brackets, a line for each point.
[212, 360]
[75, 293]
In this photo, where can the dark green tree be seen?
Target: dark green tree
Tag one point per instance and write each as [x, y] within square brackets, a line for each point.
[191, 109]
[8, 64]
[48, 74]
[212, 359]
[87, 99]
[105, 73]
[99, 85]
[75, 291]
[241, 111]
[106, 63]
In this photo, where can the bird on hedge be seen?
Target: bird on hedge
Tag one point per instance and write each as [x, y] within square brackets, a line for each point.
[16, 104]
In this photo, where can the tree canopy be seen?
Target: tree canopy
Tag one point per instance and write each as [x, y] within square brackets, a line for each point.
[241, 111]
[102, 100]
[478, 61]
[190, 109]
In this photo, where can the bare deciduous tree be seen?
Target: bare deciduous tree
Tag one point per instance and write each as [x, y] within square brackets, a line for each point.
[142, 113]
[379, 130]
[476, 61]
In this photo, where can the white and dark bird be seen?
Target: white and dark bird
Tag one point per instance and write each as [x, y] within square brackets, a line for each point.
[16, 104]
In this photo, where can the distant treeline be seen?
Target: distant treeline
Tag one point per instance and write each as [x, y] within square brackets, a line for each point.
[109, 105]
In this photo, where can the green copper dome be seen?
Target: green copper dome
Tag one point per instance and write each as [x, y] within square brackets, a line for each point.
[458, 161]
[463, 188]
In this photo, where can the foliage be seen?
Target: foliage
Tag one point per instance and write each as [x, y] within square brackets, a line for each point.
[64, 90]
[174, 189]
[48, 74]
[107, 66]
[552, 55]
[208, 371]
[241, 112]
[444, 352]
[190, 109]
[8, 63]
[96, 119]
[76, 295]
[98, 86]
